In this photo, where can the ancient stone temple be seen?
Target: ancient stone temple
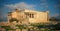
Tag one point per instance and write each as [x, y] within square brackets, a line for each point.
[28, 16]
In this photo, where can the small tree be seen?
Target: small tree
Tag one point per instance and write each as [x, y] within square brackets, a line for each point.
[21, 27]
[7, 28]
[13, 19]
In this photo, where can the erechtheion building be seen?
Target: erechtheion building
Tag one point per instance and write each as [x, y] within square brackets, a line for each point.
[29, 16]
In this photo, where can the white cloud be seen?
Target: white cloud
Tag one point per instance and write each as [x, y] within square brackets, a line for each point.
[57, 6]
[44, 4]
[43, 0]
[21, 5]
[56, 15]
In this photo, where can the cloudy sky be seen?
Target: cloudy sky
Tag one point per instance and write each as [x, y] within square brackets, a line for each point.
[53, 6]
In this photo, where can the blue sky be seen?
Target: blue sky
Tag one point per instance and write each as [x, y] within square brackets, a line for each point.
[53, 6]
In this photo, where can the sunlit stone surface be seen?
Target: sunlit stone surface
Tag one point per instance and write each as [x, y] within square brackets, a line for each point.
[25, 17]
